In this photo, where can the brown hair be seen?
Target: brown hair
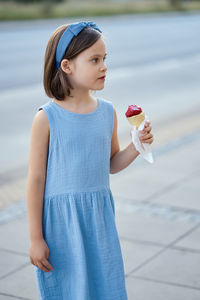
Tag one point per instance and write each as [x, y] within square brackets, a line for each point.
[56, 82]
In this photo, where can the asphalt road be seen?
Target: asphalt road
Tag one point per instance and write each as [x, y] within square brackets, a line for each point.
[153, 61]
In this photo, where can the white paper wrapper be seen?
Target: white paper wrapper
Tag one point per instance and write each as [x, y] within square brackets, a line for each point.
[143, 148]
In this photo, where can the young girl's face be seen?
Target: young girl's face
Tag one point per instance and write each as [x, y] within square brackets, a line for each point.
[86, 69]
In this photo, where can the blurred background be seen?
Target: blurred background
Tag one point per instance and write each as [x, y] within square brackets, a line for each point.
[37, 9]
[153, 61]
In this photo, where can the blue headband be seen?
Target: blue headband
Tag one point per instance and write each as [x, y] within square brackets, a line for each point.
[65, 39]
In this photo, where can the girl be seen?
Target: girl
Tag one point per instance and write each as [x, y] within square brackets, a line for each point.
[74, 244]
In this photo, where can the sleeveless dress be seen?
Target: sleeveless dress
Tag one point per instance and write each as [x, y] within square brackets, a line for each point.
[78, 208]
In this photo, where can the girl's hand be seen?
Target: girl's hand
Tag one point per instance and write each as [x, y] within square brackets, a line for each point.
[146, 136]
[39, 253]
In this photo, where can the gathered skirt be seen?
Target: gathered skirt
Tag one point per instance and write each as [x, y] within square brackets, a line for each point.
[84, 249]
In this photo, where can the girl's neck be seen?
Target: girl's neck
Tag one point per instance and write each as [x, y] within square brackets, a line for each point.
[83, 105]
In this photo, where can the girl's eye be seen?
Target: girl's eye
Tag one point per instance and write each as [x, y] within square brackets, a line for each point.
[97, 58]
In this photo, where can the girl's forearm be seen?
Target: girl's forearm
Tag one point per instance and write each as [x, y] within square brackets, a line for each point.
[35, 208]
[123, 158]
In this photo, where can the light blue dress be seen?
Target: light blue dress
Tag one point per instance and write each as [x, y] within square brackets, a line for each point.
[78, 208]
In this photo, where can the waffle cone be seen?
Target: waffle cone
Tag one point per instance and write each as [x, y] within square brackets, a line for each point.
[137, 119]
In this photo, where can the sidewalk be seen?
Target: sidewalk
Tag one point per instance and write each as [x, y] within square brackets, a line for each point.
[158, 220]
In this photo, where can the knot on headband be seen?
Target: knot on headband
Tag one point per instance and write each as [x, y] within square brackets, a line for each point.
[65, 39]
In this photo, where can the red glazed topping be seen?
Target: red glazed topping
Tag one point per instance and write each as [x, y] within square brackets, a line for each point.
[133, 110]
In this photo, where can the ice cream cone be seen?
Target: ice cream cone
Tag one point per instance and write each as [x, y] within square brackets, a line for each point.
[137, 119]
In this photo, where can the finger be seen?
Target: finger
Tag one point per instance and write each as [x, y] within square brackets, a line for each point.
[147, 123]
[46, 263]
[146, 137]
[149, 141]
[42, 267]
[146, 130]
[143, 131]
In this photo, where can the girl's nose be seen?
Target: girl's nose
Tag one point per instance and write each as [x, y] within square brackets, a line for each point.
[104, 67]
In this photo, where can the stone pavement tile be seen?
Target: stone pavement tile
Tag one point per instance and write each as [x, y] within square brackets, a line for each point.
[145, 181]
[133, 187]
[173, 266]
[135, 253]
[14, 235]
[21, 283]
[182, 160]
[147, 172]
[11, 261]
[152, 229]
[191, 241]
[12, 191]
[141, 289]
[185, 195]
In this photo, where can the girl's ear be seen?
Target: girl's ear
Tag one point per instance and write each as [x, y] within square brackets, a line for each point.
[66, 66]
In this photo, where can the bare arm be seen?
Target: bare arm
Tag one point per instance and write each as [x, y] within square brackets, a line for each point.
[37, 173]
[120, 159]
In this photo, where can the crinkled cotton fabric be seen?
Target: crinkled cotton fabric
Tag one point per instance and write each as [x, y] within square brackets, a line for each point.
[78, 208]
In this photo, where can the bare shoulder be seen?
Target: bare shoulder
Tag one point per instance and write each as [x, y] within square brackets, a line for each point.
[41, 119]
[41, 123]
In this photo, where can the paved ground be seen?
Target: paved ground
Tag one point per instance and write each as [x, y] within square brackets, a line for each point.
[157, 216]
